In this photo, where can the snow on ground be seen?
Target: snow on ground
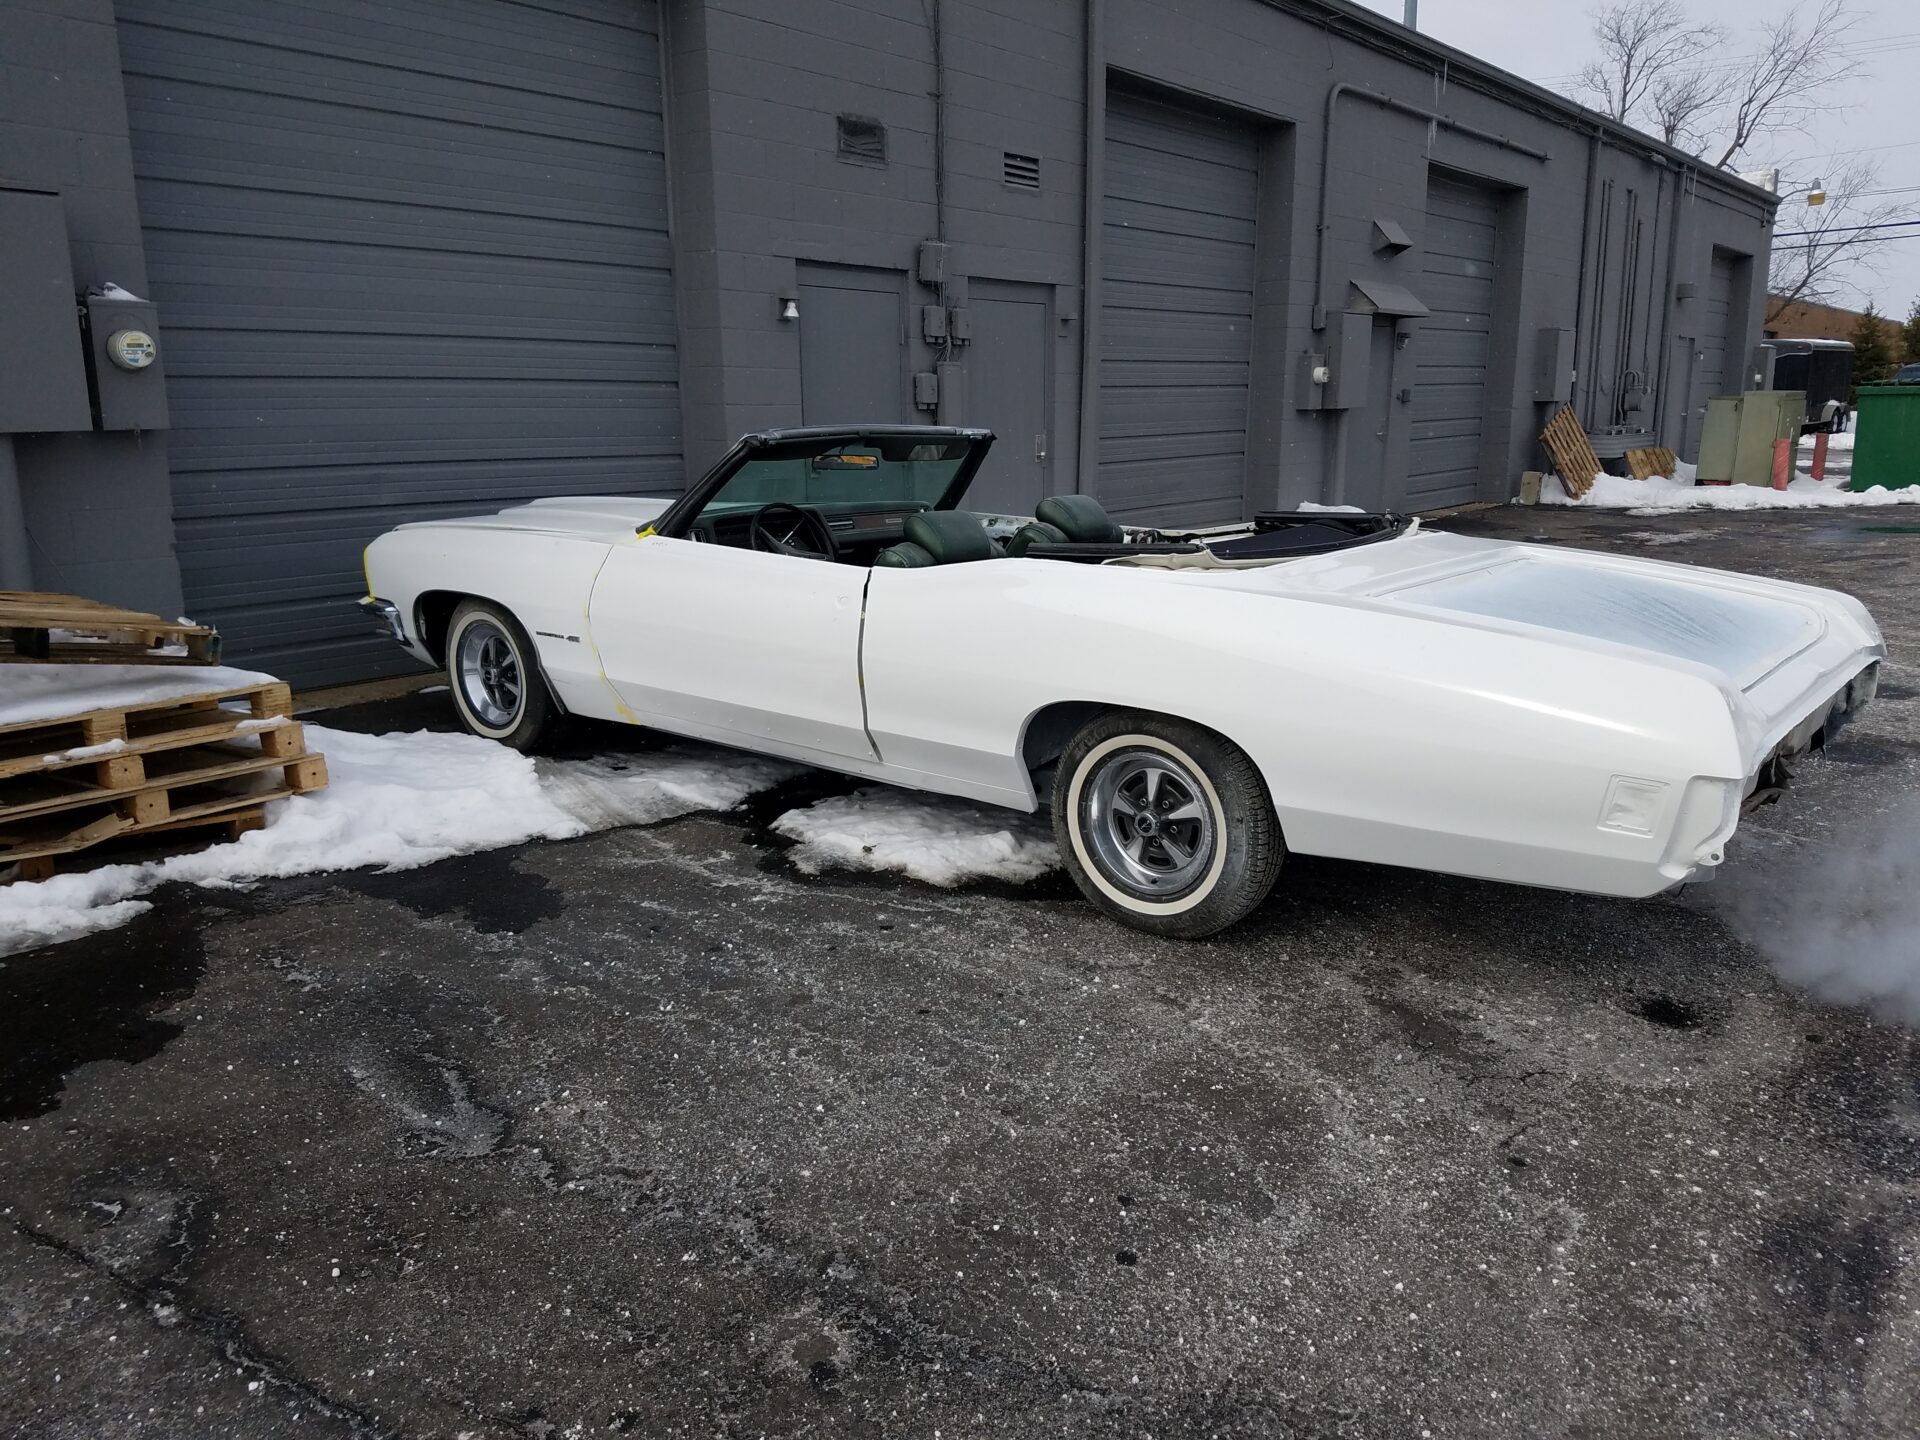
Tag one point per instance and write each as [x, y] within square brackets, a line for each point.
[644, 789]
[399, 801]
[49, 691]
[1661, 496]
[932, 838]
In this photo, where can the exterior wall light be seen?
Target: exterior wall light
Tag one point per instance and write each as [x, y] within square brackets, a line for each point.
[789, 309]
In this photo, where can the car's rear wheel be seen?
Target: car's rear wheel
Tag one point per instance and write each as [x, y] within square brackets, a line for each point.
[495, 677]
[1164, 825]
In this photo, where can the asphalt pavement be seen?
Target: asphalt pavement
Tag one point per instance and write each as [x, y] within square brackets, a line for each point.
[645, 1133]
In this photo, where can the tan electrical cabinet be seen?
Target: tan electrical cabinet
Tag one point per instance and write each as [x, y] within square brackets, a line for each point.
[1737, 442]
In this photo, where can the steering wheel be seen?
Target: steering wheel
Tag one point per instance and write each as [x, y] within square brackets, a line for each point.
[787, 529]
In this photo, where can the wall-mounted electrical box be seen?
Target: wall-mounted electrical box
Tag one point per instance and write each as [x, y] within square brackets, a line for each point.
[41, 354]
[1553, 366]
[125, 364]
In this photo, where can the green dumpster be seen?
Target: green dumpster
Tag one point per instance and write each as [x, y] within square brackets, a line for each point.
[1886, 437]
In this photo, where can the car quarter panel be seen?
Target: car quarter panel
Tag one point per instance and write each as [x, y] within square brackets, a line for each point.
[543, 578]
[1383, 735]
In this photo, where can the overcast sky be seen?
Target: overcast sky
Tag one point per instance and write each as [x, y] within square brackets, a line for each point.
[1547, 41]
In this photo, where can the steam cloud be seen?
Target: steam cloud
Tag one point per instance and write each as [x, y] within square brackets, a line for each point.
[1839, 917]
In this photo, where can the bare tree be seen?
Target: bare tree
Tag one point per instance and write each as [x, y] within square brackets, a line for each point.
[1643, 45]
[1680, 106]
[1817, 253]
[1796, 73]
[1662, 71]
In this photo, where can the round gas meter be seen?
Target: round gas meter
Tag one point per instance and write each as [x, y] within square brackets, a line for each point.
[131, 349]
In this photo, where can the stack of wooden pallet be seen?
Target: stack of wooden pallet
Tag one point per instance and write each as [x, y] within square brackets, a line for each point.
[98, 744]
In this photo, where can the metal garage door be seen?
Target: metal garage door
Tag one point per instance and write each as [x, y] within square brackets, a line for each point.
[1454, 346]
[1715, 373]
[1176, 313]
[411, 259]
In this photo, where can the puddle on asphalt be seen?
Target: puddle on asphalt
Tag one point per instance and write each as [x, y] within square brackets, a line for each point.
[486, 889]
[97, 998]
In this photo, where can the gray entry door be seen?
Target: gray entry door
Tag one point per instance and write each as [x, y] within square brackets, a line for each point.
[853, 346]
[411, 260]
[1008, 365]
[1454, 347]
[1176, 313]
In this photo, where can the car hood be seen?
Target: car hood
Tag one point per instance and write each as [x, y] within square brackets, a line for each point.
[1742, 627]
[608, 518]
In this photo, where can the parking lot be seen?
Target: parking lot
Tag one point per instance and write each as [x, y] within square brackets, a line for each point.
[647, 1133]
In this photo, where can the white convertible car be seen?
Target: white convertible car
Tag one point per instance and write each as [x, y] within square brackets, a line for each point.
[1328, 684]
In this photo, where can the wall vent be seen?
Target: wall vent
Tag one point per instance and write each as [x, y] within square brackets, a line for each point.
[1020, 171]
[863, 138]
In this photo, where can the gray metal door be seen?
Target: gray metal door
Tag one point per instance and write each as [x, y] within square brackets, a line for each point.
[1176, 313]
[411, 259]
[1007, 391]
[853, 346]
[1454, 346]
[1717, 371]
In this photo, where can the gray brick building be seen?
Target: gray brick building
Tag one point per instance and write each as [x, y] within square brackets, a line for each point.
[413, 257]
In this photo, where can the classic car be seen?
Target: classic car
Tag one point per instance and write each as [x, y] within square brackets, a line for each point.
[1190, 708]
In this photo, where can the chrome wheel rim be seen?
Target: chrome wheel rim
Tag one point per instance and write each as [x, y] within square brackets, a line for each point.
[489, 670]
[1148, 824]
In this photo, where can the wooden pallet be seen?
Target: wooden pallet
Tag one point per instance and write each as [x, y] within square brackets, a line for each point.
[68, 783]
[157, 841]
[1573, 457]
[38, 625]
[1652, 461]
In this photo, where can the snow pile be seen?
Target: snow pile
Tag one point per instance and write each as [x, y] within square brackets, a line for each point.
[51, 691]
[645, 789]
[940, 841]
[399, 801]
[396, 801]
[1312, 507]
[1841, 920]
[1661, 496]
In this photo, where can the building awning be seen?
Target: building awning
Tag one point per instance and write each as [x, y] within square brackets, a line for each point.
[1383, 297]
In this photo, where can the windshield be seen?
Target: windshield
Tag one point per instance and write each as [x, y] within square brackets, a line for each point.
[844, 474]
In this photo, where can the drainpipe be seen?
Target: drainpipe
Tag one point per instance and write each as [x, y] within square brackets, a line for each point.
[1586, 244]
[16, 565]
[1094, 178]
[1662, 409]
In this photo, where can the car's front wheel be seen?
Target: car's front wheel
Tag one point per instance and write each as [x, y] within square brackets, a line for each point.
[495, 677]
[1165, 825]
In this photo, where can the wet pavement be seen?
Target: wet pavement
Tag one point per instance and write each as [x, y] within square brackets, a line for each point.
[647, 1134]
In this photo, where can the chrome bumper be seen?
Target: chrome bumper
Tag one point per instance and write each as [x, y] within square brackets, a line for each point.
[386, 617]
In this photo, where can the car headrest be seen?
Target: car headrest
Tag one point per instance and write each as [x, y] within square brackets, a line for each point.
[1080, 518]
[1035, 532]
[904, 556]
[949, 536]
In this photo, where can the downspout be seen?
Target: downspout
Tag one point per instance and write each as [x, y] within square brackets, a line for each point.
[1663, 411]
[16, 562]
[1094, 178]
[1586, 243]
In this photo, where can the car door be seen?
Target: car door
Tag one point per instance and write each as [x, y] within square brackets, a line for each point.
[741, 646]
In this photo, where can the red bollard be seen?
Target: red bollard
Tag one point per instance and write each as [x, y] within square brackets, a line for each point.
[1820, 455]
[1782, 463]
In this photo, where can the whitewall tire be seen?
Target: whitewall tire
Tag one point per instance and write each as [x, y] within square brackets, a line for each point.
[495, 678]
[1164, 825]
